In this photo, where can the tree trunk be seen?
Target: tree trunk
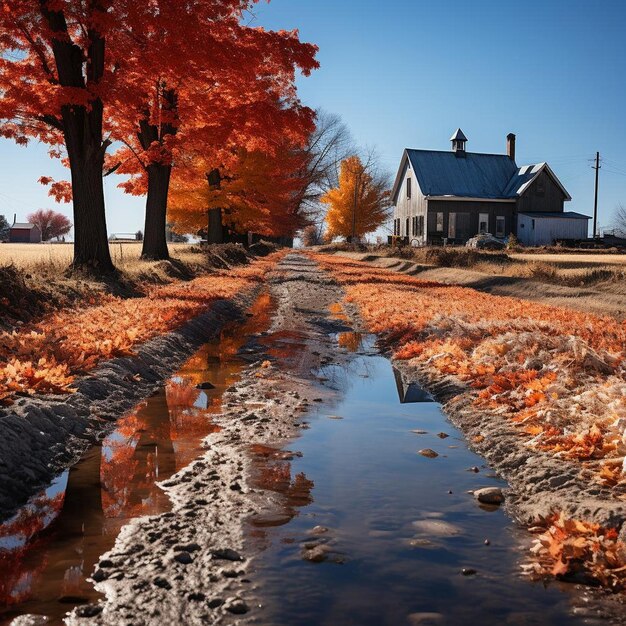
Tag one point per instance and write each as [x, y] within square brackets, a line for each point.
[82, 130]
[154, 239]
[215, 233]
[159, 172]
[91, 245]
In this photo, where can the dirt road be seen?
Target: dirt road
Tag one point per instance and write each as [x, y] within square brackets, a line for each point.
[189, 566]
[332, 489]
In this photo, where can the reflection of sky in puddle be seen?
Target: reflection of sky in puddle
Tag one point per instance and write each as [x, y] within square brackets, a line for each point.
[34, 517]
[370, 487]
[84, 508]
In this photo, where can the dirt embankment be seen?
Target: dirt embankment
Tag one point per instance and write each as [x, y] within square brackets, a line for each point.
[600, 302]
[36, 288]
[41, 435]
[193, 564]
[539, 483]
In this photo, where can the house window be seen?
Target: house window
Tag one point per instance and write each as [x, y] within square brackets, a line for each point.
[420, 226]
[533, 224]
[439, 226]
[407, 228]
[408, 188]
[483, 223]
[500, 226]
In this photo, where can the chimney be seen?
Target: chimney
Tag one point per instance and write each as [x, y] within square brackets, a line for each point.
[510, 146]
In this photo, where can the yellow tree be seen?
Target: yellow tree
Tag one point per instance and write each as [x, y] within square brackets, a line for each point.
[360, 204]
[258, 193]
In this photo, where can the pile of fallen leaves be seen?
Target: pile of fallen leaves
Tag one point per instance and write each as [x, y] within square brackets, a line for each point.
[45, 357]
[559, 375]
[577, 551]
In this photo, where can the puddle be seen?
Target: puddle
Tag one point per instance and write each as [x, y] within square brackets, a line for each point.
[50, 547]
[373, 533]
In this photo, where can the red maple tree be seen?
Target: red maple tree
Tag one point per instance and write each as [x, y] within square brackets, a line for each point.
[224, 87]
[156, 76]
[51, 224]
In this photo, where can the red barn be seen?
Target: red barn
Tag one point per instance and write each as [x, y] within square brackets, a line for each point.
[24, 233]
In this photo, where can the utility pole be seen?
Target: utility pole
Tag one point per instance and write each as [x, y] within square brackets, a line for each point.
[595, 202]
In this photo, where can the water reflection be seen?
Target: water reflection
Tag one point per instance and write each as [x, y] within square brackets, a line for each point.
[385, 533]
[50, 547]
[409, 392]
[273, 472]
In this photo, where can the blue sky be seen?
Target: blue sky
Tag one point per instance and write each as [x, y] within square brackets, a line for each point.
[408, 73]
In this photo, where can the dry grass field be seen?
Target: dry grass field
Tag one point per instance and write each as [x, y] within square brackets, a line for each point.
[47, 260]
[58, 256]
[574, 260]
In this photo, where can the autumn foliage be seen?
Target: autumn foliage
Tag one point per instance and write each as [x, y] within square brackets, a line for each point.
[578, 551]
[558, 375]
[46, 357]
[51, 223]
[359, 205]
[258, 193]
[159, 79]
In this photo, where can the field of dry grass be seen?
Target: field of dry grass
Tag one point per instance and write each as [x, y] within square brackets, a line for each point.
[47, 257]
[605, 272]
[574, 260]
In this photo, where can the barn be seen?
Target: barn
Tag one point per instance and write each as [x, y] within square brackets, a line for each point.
[24, 233]
[451, 196]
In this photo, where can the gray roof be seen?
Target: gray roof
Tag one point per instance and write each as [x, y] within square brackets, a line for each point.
[458, 136]
[525, 176]
[471, 176]
[24, 225]
[572, 215]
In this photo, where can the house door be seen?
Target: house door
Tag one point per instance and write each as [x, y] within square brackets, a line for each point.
[408, 234]
[483, 223]
[452, 226]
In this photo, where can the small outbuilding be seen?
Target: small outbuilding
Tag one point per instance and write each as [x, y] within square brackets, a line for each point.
[24, 233]
[543, 229]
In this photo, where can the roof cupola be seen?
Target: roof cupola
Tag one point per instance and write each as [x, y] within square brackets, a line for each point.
[458, 142]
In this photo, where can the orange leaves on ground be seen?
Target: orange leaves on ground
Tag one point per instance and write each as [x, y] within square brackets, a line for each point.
[558, 374]
[46, 357]
[579, 551]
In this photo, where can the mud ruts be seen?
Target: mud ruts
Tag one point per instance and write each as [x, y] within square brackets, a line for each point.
[193, 565]
[41, 436]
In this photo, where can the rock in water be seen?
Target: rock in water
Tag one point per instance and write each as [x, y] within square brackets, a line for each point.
[489, 495]
[428, 453]
[316, 555]
[205, 385]
[236, 606]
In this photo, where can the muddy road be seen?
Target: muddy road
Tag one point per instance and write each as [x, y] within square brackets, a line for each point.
[285, 475]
